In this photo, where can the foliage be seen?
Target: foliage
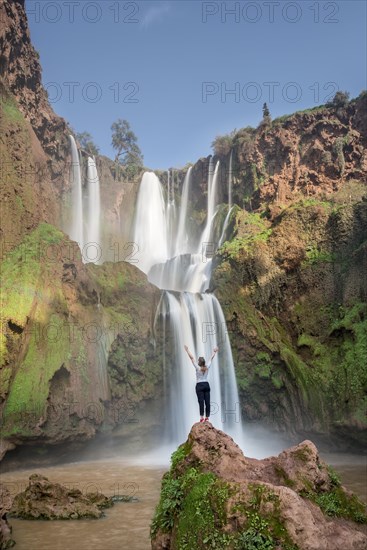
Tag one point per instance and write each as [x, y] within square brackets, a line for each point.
[223, 144]
[314, 255]
[254, 231]
[340, 100]
[266, 120]
[87, 143]
[257, 536]
[10, 110]
[125, 142]
[265, 528]
[180, 454]
[338, 503]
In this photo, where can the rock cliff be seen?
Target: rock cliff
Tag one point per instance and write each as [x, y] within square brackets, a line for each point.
[60, 320]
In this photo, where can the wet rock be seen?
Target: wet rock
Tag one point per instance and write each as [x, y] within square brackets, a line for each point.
[6, 540]
[43, 499]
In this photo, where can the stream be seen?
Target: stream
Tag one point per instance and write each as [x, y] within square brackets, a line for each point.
[126, 525]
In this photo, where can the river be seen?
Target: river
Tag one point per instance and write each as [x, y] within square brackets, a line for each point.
[126, 525]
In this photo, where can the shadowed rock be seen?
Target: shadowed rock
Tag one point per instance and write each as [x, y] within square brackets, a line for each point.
[43, 499]
[5, 529]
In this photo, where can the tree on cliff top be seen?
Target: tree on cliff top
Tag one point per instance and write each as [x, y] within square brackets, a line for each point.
[340, 99]
[125, 142]
[87, 143]
[223, 144]
[266, 120]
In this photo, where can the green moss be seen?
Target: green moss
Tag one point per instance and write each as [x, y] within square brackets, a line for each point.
[314, 255]
[196, 502]
[24, 272]
[265, 528]
[10, 110]
[337, 503]
[21, 272]
[277, 381]
[179, 455]
[334, 477]
[252, 228]
[288, 482]
[303, 454]
[203, 514]
[30, 386]
[5, 377]
[263, 371]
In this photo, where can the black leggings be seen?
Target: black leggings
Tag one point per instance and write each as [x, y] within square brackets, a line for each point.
[203, 393]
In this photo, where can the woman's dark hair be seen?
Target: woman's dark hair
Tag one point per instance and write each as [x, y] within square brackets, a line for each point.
[201, 362]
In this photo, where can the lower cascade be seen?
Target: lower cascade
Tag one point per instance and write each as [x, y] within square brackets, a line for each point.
[188, 313]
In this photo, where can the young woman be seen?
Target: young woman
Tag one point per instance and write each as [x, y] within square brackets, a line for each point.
[202, 384]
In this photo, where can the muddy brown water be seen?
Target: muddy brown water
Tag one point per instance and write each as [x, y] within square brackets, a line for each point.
[126, 525]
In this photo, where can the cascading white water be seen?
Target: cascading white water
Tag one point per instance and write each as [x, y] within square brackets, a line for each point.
[182, 241]
[189, 314]
[150, 223]
[230, 179]
[197, 320]
[85, 222]
[211, 213]
[93, 250]
[76, 226]
[171, 213]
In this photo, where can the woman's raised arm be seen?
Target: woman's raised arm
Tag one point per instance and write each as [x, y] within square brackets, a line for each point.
[214, 352]
[188, 353]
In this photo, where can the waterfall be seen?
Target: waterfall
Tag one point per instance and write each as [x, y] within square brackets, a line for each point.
[93, 251]
[76, 229]
[150, 223]
[212, 198]
[230, 179]
[230, 207]
[197, 320]
[182, 237]
[85, 223]
[188, 314]
[225, 224]
[171, 213]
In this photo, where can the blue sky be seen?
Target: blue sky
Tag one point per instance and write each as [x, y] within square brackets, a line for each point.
[169, 66]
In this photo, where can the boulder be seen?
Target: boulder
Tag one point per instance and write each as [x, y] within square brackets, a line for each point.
[5, 529]
[43, 499]
[215, 497]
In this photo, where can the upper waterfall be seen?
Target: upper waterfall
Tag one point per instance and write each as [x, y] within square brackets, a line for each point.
[150, 231]
[76, 229]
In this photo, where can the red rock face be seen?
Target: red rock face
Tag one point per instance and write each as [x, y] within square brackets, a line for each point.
[21, 73]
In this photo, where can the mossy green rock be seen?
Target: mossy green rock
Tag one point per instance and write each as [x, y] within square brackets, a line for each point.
[215, 497]
[60, 321]
[293, 289]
